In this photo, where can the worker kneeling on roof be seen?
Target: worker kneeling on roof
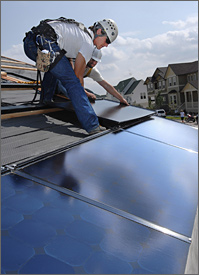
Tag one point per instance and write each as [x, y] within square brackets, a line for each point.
[60, 39]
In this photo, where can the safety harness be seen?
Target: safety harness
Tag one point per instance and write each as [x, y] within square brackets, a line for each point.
[46, 60]
[88, 73]
[72, 21]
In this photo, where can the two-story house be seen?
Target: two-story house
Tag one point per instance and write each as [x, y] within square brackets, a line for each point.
[134, 91]
[180, 94]
[156, 87]
[176, 85]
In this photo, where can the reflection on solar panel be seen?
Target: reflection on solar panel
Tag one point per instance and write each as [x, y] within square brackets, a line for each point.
[94, 170]
[162, 130]
[119, 203]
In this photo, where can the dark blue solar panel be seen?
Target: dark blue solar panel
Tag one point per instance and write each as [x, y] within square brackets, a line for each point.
[170, 132]
[63, 235]
[131, 173]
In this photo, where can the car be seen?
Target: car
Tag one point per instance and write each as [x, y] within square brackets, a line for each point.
[160, 113]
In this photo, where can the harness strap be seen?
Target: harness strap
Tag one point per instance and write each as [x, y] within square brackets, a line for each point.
[71, 21]
[57, 58]
[89, 71]
[37, 86]
[45, 29]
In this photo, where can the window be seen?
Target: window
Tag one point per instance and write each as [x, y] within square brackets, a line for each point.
[152, 86]
[143, 95]
[195, 96]
[173, 99]
[160, 84]
[170, 81]
[163, 84]
[174, 80]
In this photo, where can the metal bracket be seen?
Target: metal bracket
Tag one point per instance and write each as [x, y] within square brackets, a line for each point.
[11, 167]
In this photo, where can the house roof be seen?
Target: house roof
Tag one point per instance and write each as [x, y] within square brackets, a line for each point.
[17, 71]
[178, 69]
[67, 196]
[122, 84]
[132, 87]
[184, 68]
[159, 73]
[148, 79]
[194, 83]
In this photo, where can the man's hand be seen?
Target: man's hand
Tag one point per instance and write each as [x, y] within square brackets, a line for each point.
[111, 90]
[123, 101]
[90, 95]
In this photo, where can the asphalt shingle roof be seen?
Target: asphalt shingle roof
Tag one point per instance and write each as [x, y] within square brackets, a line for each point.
[132, 88]
[122, 84]
[184, 68]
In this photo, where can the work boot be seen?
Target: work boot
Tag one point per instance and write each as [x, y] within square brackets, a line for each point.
[99, 129]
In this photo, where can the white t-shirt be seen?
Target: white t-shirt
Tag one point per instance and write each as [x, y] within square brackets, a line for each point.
[182, 114]
[73, 40]
[94, 74]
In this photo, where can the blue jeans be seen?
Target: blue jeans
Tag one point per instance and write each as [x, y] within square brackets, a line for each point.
[61, 89]
[63, 72]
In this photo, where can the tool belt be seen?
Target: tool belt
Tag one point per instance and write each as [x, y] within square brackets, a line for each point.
[46, 60]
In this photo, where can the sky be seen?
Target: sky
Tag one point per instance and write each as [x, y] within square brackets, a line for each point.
[151, 33]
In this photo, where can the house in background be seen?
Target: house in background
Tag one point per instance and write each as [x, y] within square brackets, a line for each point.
[134, 91]
[156, 86]
[190, 92]
[177, 77]
[174, 87]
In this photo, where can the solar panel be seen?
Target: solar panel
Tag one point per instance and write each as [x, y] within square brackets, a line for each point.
[169, 132]
[124, 202]
[132, 174]
[47, 232]
[112, 111]
[119, 112]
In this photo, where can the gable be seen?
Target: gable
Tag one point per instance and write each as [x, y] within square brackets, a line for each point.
[122, 84]
[190, 86]
[132, 88]
[169, 72]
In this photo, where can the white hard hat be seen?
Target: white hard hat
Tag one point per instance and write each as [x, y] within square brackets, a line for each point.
[110, 28]
[97, 55]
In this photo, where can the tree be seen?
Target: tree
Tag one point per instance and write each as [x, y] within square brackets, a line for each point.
[158, 100]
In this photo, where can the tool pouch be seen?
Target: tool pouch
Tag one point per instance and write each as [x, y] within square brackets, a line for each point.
[43, 60]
